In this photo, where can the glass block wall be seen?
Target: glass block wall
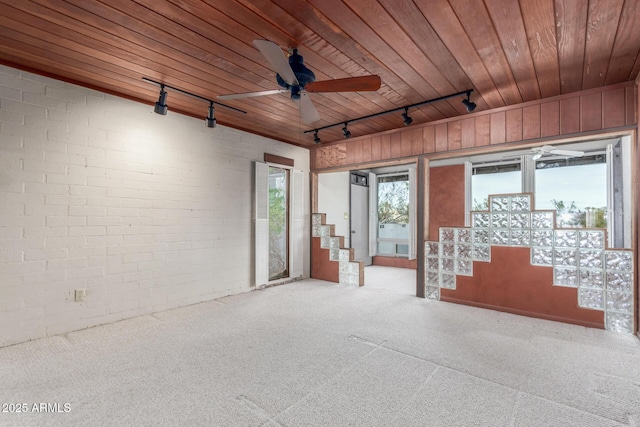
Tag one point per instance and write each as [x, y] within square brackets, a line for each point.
[349, 272]
[579, 258]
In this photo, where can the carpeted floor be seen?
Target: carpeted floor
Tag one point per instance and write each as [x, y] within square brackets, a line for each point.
[313, 353]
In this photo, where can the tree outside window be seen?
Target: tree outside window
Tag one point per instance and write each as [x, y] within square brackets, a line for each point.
[393, 214]
[278, 220]
[576, 188]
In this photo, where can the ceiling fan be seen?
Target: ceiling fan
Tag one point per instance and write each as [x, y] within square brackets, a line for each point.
[292, 75]
[538, 152]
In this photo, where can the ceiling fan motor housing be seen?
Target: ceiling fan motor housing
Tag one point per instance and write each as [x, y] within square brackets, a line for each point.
[302, 73]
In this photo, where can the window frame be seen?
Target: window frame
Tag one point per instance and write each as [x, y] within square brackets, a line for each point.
[407, 169]
[619, 185]
[391, 240]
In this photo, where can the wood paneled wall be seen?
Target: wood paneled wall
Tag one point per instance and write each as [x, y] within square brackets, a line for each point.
[590, 111]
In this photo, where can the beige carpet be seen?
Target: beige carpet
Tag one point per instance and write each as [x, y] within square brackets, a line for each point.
[312, 353]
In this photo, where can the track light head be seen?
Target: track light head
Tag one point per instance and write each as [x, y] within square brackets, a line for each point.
[316, 138]
[161, 105]
[210, 120]
[470, 105]
[407, 120]
[346, 132]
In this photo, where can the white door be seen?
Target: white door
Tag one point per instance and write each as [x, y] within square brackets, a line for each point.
[360, 223]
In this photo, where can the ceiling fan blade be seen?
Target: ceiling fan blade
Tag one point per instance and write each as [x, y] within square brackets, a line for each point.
[252, 94]
[349, 84]
[279, 62]
[569, 153]
[307, 109]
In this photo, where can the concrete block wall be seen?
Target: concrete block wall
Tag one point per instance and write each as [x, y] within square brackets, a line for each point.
[144, 212]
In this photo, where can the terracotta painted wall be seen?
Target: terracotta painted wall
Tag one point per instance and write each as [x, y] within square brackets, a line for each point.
[510, 283]
[321, 266]
[398, 262]
[446, 198]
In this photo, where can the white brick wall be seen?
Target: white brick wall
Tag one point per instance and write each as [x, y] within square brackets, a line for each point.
[145, 212]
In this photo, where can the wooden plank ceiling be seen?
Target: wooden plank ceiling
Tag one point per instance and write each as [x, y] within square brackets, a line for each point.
[507, 51]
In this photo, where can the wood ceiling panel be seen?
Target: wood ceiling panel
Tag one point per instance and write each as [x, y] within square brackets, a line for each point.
[360, 32]
[403, 45]
[407, 15]
[422, 49]
[231, 56]
[538, 18]
[130, 52]
[474, 18]
[509, 25]
[34, 47]
[625, 48]
[446, 24]
[571, 25]
[602, 24]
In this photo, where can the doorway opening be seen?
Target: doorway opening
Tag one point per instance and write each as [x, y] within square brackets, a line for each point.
[382, 225]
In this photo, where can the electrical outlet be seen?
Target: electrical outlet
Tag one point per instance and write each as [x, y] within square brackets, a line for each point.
[80, 294]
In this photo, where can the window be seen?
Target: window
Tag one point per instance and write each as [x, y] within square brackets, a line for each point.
[575, 187]
[494, 178]
[392, 199]
[592, 190]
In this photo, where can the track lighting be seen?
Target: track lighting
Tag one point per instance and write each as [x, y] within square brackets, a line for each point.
[210, 120]
[470, 105]
[407, 120]
[405, 116]
[161, 105]
[346, 132]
